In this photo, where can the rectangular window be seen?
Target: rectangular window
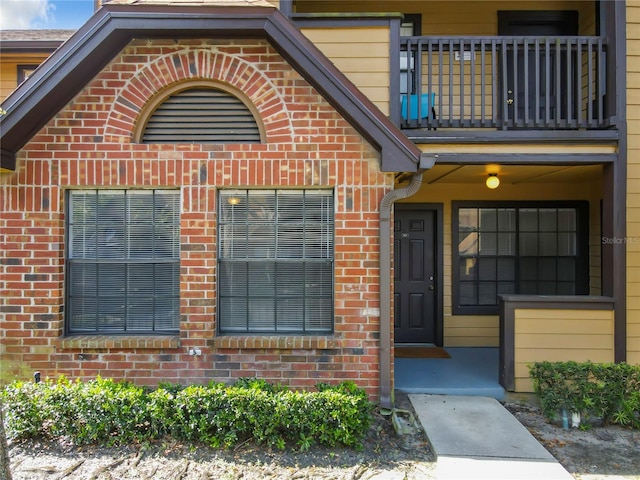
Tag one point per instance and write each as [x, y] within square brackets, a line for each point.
[123, 262]
[500, 248]
[275, 261]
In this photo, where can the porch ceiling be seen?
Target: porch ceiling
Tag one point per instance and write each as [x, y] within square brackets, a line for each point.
[513, 174]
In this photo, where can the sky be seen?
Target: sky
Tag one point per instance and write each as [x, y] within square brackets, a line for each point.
[49, 14]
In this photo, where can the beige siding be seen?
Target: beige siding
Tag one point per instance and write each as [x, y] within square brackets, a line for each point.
[9, 64]
[633, 182]
[560, 335]
[362, 54]
[455, 17]
[472, 330]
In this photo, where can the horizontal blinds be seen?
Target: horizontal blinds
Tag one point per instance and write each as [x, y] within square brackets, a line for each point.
[123, 272]
[202, 116]
[276, 261]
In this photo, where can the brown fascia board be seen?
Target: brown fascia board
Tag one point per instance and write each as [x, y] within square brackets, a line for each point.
[109, 30]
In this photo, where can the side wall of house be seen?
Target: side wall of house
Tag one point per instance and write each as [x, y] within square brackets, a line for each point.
[10, 66]
[89, 145]
[633, 182]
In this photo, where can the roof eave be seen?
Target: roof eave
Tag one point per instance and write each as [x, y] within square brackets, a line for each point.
[104, 35]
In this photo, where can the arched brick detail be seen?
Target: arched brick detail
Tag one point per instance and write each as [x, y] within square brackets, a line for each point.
[199, 64]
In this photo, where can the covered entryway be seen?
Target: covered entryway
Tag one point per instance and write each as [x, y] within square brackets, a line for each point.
[417, 305]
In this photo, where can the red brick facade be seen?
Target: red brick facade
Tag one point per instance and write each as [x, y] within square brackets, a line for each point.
[91, 143]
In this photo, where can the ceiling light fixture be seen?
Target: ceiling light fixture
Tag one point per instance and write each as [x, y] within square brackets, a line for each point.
[493, 181]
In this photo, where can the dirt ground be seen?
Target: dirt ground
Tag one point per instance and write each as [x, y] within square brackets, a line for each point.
[610, 453]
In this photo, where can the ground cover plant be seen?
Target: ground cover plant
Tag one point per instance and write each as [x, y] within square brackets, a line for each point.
[107, 412]
[609, 393]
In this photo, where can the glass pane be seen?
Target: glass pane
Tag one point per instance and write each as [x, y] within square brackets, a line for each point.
[140, 313]
[262, 241]
[83, 205]
[487, 269]
[233, 314]
[233, 278]
[262, 279]
[488, 220]
[290, 314]
[112, 314]
[83, 314]
[290, 279]
[468, 295]
[506, 288]
[140, 280]
[528, 288]
[318, 315]
[528, 268]
[167, 314]
[487, 294]
[548, 218]
[83, 279]
[528, 244]
[567, 269]
[468, 219]
[468, 270]
[548, 244]
[488, 243]
[262, 316]
[83, 242]
[567, 220]
[319, 279]
[290, 243]
[528, 219]
[468, 243]
[507, 219]
[506, 269]
[547, 269]
[111, 279]
[291, 207]
[167, 279]
[506, 244]
[111, 219]
[567, 244]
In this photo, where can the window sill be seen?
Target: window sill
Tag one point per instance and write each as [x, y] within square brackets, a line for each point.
[125, 342]
[278, 342]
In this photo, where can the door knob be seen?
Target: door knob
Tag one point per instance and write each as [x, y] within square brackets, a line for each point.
[509, 101]
[431, 287]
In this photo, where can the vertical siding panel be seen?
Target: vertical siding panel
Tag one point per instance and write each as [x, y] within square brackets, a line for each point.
[633, 180]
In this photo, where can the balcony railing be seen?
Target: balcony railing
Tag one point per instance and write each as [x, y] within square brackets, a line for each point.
[503, 82]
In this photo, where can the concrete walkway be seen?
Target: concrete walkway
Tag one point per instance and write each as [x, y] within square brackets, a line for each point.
[477, 438]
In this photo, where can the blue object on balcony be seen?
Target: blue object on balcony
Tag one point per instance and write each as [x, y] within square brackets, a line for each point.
[426, 101]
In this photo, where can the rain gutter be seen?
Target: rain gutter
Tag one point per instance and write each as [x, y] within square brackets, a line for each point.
[386, 206]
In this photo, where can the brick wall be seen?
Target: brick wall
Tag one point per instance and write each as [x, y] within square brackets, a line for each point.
[91, 143]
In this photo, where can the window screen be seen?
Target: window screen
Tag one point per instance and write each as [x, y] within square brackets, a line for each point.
[123, 261]
[276, 261]
[518, 249]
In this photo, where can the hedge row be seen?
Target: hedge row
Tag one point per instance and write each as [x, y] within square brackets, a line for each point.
[608, 392]
[107, 412]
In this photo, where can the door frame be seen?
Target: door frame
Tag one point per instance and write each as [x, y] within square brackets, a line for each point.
[438, 240]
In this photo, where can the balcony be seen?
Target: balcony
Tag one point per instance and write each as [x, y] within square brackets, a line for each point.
[501, 82]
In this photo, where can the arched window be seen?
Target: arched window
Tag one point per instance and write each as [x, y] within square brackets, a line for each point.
[200, 115]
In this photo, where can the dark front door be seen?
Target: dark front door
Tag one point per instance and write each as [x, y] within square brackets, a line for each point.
[415, 275]
[536, 82]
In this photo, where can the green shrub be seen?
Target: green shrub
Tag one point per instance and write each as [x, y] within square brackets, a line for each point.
[610, 392]
[111, 413]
